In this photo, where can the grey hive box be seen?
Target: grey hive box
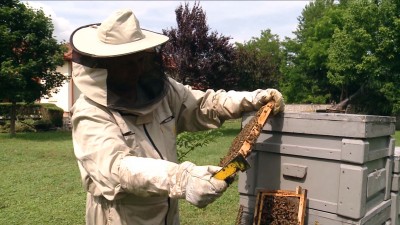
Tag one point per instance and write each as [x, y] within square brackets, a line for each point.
[395, 195]
[395, 208]
[343, 160]
[379, 215]
[333, 124]
[396, 160]
[345, 137]
[344, 189]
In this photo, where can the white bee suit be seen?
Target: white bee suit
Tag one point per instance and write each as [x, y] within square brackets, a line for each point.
[127, 157]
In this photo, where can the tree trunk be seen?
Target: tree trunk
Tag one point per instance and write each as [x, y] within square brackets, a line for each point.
[13, 118]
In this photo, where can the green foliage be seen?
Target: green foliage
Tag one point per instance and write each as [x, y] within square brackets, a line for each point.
[304, 65]
[341, 46]
[23, 110]
[31, 117]
[196, 56]
[30, 54]
[365, 51]
[52, 114]
[20, 126]
[188, 141]
[258, 61]
[42, 125]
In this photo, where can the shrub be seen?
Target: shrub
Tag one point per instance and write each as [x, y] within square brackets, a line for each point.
[47, 115]
[23, 109]
[188, 141]
[43, 125]
[52, 113]
[25, 126]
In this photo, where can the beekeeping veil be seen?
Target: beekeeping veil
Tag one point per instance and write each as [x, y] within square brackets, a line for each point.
[116, 37]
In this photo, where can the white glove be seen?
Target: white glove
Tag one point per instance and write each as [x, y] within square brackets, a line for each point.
[156, 177]
[201, 188]
[272, 94]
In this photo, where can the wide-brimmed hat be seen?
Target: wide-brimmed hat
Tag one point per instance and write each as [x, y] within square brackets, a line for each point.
[119, 34]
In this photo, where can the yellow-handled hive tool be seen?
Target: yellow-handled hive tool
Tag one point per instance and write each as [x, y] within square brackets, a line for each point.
[242, 145]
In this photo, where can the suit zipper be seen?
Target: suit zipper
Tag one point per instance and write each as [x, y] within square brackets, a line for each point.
[159, 154]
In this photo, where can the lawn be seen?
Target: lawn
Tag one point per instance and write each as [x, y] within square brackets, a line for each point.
[40, 181]
[397, 137]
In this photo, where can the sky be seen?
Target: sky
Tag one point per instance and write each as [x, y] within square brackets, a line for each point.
[240, 20]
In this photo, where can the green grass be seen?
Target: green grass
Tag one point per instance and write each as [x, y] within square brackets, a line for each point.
[224, 210]
[40, 182]
[397, 137]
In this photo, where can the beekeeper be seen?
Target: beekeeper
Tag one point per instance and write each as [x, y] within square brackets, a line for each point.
[126, 121]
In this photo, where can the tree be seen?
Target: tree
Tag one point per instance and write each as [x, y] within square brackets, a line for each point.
[258, 61]
[196, 56]
[305, 71]
[342, 47]
[366, 51]
[30, 55]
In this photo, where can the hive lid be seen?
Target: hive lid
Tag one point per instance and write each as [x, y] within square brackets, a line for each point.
[340, 117]
[332, 124]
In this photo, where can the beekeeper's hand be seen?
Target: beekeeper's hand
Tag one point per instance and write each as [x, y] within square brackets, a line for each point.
[201, 188]
[272, 94]
[155, 177]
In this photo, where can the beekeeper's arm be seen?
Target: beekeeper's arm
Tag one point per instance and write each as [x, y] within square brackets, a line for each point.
[146, 177]
[101, 152]
[198, 110]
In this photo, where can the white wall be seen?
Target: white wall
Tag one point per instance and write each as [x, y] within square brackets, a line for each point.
[63, 97]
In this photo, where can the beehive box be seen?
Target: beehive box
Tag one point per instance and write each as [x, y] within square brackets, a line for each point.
[247, 204]
[395, 195]
[342, 160]
[395, 208]
[396, 160]
[349, 138]
[345, 189]
[331, 124]
[379, 215]
[395, 182]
